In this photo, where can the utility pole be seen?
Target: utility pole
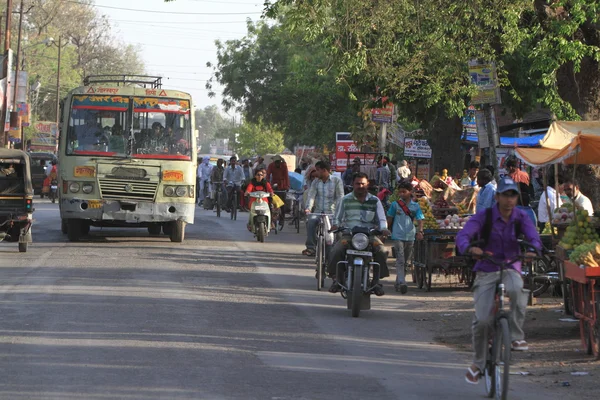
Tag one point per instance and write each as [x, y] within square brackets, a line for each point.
[58, 85]
[5, 69]
[17, 75]
[490, 121]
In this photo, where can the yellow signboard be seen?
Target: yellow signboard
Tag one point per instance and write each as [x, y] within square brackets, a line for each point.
[172, 176]
[84, 172]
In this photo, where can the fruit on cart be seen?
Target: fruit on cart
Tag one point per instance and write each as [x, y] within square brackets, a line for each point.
[586, 254]
[452, 222]
[581, 231]
[429, 222]
[563, 214]
[547, 229]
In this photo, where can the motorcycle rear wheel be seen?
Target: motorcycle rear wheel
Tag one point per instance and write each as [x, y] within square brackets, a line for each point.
[356, 292]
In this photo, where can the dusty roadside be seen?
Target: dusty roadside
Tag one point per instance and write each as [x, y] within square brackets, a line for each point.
[555, 348]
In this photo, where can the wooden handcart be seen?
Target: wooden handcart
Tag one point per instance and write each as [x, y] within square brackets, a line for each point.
[585, 292]
[436, 254]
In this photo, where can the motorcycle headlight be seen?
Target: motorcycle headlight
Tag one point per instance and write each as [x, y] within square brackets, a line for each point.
[181, 191]
[87, 188]
[169, 191]
[360, 241]
[74, 187]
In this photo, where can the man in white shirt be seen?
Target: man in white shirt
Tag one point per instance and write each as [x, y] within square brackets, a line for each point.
[233, 177]
[580, 201]
[543, 215]
[203, 177]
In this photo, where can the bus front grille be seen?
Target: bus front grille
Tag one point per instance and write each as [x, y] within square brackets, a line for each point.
[119, 189]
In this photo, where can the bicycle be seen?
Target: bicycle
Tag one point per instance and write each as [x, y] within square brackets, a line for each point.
[234, 201]
[497, 367]
[321, 250]
[281, 216]
[296, 209]
[218, 190]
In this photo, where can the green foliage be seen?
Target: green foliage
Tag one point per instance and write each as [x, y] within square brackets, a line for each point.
[417, 52]
[254, 139]
[271, 76]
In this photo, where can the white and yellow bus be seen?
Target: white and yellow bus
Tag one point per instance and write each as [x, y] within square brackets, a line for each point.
[127, 157]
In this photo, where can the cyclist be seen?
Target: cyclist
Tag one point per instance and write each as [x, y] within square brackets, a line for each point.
[233, 177]
[359, 208]
[204, 170]
[323, 195]
[498, 227]
[216, 177]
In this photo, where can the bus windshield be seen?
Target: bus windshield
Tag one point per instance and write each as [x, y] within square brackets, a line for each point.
[138, 127]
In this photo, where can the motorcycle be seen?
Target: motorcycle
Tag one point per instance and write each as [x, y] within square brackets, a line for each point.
[261, 215]
[358, 282]
[53, 190]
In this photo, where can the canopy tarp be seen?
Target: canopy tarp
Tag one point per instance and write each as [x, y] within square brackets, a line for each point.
[528, 141]
[568, 141]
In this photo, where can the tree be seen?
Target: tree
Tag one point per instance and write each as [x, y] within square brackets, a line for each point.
[271, 77]
[545, 51]
[258, 139]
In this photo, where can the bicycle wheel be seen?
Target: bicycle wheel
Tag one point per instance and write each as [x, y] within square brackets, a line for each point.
[218, 203]
[297, 217]
[319, 262]
[234, 206]
[489, 374]
[502, 360]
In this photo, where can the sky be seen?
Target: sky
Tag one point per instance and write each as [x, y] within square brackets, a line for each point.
[177, 39]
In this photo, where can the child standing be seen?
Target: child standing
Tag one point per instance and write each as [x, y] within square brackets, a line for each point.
[401, 216]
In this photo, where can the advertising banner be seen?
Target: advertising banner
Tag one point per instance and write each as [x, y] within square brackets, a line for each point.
[469, 125]
[383, 115]
[483, 75]
[343, 144]
[418, 148]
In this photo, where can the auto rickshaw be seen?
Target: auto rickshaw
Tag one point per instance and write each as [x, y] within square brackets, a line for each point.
[16, 198]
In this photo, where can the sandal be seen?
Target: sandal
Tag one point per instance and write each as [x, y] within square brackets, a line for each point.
[472, 377]
[308, 252]
[519, 345]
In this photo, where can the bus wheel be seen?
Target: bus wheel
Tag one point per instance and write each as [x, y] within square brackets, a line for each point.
[167, 228]
[63, 226]
[74, 229]
[177, 231]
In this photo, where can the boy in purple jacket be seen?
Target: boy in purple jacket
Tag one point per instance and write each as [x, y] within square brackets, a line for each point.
[506, 220]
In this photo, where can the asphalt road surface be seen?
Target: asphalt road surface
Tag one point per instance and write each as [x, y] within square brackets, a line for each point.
[122, 315]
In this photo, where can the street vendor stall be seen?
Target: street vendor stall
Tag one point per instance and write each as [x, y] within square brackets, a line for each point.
[578, 253]
[436, 253]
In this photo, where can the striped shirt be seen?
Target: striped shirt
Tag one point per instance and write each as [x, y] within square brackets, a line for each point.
[324, 196]
[352, 212]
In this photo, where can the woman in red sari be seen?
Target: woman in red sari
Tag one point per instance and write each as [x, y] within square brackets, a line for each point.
[259, 184]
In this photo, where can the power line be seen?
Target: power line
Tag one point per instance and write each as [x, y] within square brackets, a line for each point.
[178, 22]
[164, 12]
[173, 47]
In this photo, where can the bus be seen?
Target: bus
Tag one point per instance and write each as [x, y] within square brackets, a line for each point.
[127, 157]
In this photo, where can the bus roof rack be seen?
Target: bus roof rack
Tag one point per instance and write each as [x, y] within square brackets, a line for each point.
[154, 82]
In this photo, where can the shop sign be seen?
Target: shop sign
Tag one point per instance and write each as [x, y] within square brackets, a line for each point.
[483, 75]
[418, 148]
[383, 115]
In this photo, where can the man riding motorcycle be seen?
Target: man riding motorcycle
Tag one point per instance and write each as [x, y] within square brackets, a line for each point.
[359, 208]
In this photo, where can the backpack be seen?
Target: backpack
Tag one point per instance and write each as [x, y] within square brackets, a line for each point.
[486, 231]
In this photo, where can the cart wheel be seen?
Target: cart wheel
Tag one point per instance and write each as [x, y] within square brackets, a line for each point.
[420, 274]
[567, 297]
[585, 334]
[594, 339]
[428, 273]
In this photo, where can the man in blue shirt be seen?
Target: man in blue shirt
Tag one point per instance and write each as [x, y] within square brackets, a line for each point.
[401, 216]
[486, 197]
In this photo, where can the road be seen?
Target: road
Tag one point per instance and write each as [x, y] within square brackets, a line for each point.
[127, 316]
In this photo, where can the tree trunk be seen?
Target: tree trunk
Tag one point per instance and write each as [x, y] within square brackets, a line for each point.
[445, 141]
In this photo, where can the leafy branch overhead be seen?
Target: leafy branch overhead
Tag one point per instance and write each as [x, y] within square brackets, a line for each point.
[417, 52]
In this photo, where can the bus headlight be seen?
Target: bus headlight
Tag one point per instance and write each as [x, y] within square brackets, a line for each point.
[87, 188]
[169, 191]
[181, 191]
[74, 187]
